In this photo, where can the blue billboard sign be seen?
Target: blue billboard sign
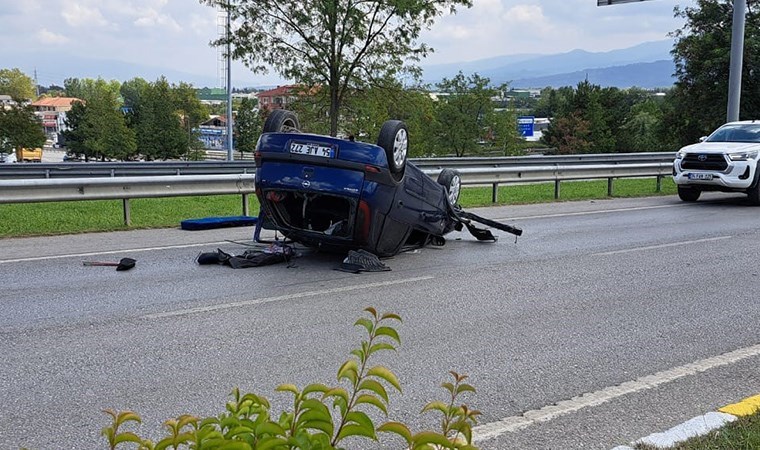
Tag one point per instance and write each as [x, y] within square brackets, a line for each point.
[525, 125]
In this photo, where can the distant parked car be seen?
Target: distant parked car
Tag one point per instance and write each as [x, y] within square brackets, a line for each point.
[339, 194]
[724, 161]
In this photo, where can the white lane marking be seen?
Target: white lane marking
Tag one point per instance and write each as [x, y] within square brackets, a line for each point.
[654, 247]
[109, 252]
[258, 301]
[698, 426]
[584, 213]
[550, 412]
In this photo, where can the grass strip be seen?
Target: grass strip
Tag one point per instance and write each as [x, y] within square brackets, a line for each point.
[42, 219]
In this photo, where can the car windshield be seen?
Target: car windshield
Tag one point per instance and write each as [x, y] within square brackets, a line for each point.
[736, 133]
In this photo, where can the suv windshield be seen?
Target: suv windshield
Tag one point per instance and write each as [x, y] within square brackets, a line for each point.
[736, 133]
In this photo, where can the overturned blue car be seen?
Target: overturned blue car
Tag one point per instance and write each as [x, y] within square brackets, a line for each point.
[338, 195]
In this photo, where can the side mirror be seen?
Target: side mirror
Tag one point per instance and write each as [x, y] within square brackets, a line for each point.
[703, 138]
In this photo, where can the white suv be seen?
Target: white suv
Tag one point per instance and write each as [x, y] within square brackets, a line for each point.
[724, 161]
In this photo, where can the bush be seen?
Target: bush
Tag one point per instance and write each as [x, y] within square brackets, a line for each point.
[322, 416]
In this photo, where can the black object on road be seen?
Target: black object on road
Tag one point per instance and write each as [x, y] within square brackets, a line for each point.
[123, 264]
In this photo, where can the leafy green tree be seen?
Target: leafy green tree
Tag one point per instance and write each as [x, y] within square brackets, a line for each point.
[19, 127]
[98, 129]
[504, 136]
[160, 134]
[88, 88]
[191, 112]
[462, 106]
[132, 91]
[248, 125]
[17, 84]
[340, 45]
[640, 130]
[697, 104]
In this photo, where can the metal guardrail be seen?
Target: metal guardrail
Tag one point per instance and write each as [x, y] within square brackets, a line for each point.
[80, 184]
[160, 168]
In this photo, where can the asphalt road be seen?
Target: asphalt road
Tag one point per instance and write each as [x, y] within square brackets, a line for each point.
[605, 322]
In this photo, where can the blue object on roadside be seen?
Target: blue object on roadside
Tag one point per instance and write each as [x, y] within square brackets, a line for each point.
[208, 223]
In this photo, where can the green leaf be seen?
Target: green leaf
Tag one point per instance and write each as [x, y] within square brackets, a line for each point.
[287, 388]
[397, 428]
[356, 430]
[316, 405]
[359, 353]
[388, 331]
[465, 388]
[372, 311]
[314, 415]
[360, 418]
[270, 428]
[391, 316]
[449, 387]
[429, 437]
[373, 386]
[127, 416]
[127, 436]
[385, 374]
[366, 323]
[326, 427]
[436, 405]
[337, 392]
[237, 445]
[372, 400]
[381, 346]
[349, 371]
[315, 387]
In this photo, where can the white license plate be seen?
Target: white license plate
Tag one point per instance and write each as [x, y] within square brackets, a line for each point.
[312, 149]
[700, 176]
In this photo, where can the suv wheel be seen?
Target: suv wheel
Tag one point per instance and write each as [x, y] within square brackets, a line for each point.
[688, 194]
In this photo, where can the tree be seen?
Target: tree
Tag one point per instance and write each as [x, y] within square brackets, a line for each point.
[19, 127]
[338, 44]
[159, 130]
[88, 88]
[191, 112]
[462, 105]
[248, 125]
[15, 83]
[98, 129]
[697, 104]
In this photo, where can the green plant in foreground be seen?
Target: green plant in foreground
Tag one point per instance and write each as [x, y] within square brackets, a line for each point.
[322, 416]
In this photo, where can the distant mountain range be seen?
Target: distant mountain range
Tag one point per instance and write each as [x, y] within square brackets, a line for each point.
[648, 65]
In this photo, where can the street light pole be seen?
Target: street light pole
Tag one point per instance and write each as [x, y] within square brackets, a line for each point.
[737, 57]
[230, 156]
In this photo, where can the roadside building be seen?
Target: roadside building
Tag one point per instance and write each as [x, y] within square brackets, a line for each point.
[277, 98]
[52, 112]
[213, 133]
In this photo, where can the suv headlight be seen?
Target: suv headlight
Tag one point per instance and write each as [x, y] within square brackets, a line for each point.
[743, 156]
[680, 155]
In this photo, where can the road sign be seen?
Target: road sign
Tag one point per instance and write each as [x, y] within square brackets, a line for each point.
[525, 125]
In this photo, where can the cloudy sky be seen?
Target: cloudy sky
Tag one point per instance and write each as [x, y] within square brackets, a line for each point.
[175, 33]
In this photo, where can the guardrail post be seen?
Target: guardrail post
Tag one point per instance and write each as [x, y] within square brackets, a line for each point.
[609, 187]
[556, 189]
[495, 193]
[127, 212]
[659, 184]
[246, 209]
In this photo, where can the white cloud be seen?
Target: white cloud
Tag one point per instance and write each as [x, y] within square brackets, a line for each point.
[152, 18]
[78, 14]
[48, 37]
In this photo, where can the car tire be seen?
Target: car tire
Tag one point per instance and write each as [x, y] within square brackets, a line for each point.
[281, 121]
[452, 183]
[753, 193]
[688, 194]
[394, 139]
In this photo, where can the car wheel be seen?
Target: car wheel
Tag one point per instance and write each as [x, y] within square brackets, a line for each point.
[452, 183]
[281, 121]
[753, 194]
[688, 194]
[394, 139]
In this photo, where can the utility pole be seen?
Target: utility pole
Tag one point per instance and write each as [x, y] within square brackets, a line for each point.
[36, 84]
[230, 155]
